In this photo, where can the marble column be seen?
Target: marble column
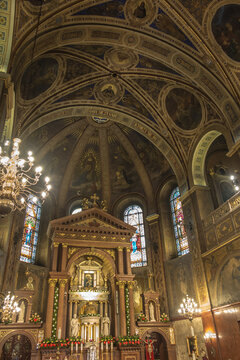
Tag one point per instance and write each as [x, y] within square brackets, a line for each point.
[75, 308]
[61, 310]
[101, 308]
[123, 330]
[64, 257]
[49, 316]
[128, 259]
[70, 310]
[55, 256]
[120, 260]
[131, 307]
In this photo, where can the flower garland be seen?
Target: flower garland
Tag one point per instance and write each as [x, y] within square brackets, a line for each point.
[55, 311]
[127, 310]
[35, 318]
[164, 318]
[53, 342]
[141, 317]
[107, 339]
[128, 340]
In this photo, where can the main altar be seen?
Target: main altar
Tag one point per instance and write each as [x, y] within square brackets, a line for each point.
[90, 278]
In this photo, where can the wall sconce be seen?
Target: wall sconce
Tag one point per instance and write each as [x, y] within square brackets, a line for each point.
[209, 336]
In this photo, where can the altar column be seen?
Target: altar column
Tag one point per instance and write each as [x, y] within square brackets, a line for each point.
[70, 310]
[64, 257]
[49, 316]
[131, 307]
[75, 308]
[121, 285]
[129, 269]
[55, 256]
[120, 260]
[62, 285]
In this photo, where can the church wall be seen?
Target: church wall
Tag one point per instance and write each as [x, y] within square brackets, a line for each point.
[179, 281]
[182, 331]
[5, 227]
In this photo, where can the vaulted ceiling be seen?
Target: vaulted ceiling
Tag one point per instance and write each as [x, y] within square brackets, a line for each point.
[122, 79]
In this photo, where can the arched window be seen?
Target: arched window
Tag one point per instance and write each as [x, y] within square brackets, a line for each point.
[30, 230]
[178, 223]
[76, 210]
[133, 215]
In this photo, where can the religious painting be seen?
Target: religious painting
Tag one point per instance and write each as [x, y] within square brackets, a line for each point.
[86, 179]
[38, 77]
[223, 274]
[192, 345]
[226, 30]
[30, 230]
[184, 109]
[122, 171]
[88, 280]
[228, 285]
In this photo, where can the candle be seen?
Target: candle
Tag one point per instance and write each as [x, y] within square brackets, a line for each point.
[81, 346]
[71, 347]
[76, 347]
[59, 333]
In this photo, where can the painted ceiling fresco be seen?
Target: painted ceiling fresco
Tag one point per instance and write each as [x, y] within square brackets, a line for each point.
[165, 73]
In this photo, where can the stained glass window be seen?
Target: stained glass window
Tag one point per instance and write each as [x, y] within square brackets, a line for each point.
[133, 215]
[30, 230]
[178, 223]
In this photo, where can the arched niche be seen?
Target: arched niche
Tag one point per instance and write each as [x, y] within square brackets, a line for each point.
[29, 338]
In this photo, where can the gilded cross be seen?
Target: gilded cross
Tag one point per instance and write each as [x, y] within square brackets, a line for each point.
[94, 197]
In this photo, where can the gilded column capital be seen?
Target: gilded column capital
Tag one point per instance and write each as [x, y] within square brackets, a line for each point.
[121, 284]
[128, 250]
[130, 284]
[63, 282]
[120, 248]
[64, 245]
[55, 244]
[52, 282]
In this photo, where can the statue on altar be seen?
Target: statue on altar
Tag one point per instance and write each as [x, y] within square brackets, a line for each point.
[74, 326]
[151, 312]
[92, 352]
[105, 326]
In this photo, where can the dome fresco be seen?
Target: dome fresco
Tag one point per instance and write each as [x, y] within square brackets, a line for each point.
[226, 30]
[184, 109]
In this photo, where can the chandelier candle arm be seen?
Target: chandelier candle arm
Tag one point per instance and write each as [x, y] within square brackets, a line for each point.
[17, 179]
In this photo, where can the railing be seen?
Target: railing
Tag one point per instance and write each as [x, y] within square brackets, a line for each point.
[223, 223]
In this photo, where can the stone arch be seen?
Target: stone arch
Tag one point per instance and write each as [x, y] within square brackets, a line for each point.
[97, 252]
[159, 331]
[199, 156]
[116, 115]
[30, 337]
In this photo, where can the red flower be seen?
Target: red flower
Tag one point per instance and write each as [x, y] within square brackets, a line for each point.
[45, 345]
[120, 344]
[61, 344]
[108, 342]
[104, 342]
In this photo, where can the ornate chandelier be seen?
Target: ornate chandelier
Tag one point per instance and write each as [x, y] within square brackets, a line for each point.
[9, 308]
[17, 178]
[189, 307]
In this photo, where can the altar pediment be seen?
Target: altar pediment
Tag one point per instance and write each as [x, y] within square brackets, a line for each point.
[90, 224]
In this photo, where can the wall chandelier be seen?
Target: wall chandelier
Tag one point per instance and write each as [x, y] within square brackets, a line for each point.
[17, 178]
